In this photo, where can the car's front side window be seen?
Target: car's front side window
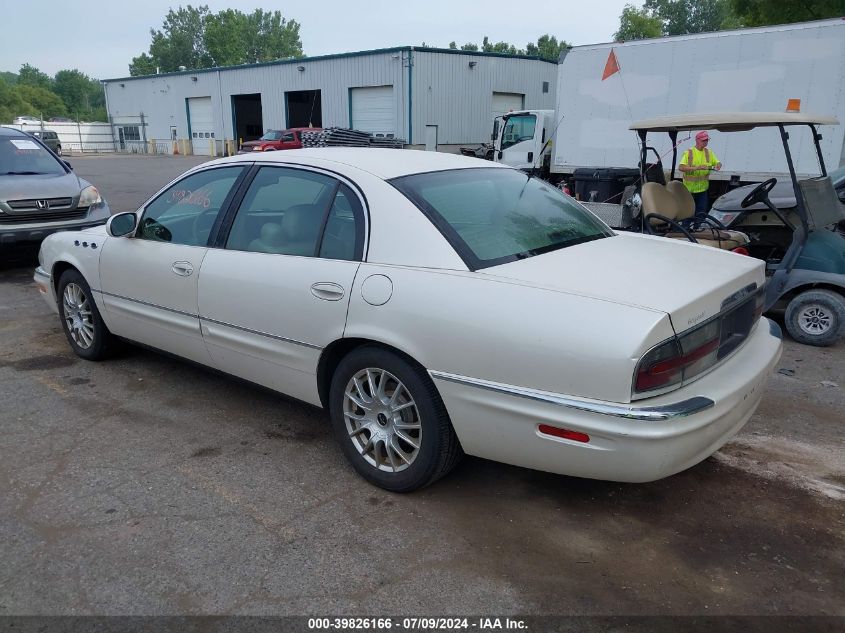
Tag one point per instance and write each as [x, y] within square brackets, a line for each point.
[283, 212]
[186, 211]
[493, 216]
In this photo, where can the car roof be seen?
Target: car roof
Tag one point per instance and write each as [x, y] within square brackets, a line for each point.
[10, 131]
[381, 162]
[730, 121]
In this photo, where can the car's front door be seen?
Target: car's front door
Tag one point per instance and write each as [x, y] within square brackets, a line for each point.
[149, 281]
[276, 292]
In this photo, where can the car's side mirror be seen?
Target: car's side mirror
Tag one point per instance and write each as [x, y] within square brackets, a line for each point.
[121, 225]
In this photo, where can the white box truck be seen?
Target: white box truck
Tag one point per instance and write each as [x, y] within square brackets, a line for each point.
[750, 70]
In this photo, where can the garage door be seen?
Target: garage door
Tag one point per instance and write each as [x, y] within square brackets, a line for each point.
[504, 102]
[201, 124]
[373, 110]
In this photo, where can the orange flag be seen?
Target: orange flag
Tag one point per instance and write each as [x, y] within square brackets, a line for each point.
[612, 65]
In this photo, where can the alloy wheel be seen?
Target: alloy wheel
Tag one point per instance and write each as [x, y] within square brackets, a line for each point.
[382, 420]
[79, 317]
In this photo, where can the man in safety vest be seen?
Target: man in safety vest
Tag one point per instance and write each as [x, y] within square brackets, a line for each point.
[696, 164]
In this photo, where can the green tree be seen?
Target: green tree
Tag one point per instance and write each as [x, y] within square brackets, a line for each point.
[547, 47]
[179, 42]
[637, 24]
[680, 17]
[469, 46]
[453, 46]
[499, 47]
[765, 12]
[196, 38]
[31, 76]
[11, 79]
[143, 64]
[74, 88]
[45, 102]
[12, 104]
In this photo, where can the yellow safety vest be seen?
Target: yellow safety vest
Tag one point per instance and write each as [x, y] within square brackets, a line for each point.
[698, 180]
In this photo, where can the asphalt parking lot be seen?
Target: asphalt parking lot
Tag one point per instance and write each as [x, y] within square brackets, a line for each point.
[145, 485]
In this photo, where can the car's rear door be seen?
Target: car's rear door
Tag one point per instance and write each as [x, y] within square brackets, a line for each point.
[149, 281]
[275, 292]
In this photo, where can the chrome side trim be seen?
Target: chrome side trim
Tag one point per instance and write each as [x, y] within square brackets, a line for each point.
[145, 303]
[652, 414]
[43, 273]
[265, 334]
[202, 318]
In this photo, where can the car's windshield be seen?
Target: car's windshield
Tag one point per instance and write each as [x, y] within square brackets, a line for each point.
[21, 155]
[271, 136]
[493, 216]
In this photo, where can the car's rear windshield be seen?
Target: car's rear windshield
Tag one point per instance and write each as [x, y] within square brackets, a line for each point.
[492, 216]
[24, 156]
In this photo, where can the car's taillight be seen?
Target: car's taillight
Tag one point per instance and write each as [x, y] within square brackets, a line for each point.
[680, 359]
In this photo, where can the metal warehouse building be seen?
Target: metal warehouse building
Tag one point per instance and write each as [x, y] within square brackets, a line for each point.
[430, 97]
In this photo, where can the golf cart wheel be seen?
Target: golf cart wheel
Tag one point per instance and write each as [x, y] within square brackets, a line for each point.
[816, 317]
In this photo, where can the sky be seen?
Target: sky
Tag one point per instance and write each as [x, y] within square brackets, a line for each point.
[101, 37]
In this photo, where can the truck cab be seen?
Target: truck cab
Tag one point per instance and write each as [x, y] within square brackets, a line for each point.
[523, 139]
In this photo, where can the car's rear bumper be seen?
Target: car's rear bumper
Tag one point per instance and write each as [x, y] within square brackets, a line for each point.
[639, 442]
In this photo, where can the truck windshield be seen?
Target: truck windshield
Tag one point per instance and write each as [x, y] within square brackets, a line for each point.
[519, 127]
[493, 216]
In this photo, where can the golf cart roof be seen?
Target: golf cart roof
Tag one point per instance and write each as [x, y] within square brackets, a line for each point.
[730, 121]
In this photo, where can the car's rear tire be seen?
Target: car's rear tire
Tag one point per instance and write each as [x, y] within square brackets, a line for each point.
[84, 328]
[390, 421]
[816, 317]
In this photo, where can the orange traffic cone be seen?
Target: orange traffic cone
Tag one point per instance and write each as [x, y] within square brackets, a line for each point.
[175, 148]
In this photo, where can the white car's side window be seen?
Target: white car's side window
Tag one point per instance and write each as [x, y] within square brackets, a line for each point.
[283, 212]
[185, 213]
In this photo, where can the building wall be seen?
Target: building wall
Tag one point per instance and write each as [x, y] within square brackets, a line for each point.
[458, 99]
[445, 92]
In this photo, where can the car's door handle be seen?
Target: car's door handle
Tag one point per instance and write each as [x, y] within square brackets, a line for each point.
[327, 291]
[184, 269]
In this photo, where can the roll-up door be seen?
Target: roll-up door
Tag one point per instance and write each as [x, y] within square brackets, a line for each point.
[373, 110]
[504, 102]
[201, 124]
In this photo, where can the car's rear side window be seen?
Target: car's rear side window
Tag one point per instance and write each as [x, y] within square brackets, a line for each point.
[493, 216]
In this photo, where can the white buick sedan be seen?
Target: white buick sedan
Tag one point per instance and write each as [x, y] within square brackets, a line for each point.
[436, 305]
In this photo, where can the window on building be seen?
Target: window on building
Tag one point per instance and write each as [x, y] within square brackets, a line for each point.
[131, 133]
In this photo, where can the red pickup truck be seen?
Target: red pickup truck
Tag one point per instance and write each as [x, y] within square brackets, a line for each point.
[277, 139]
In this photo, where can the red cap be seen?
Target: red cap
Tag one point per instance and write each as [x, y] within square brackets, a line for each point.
[702, 136]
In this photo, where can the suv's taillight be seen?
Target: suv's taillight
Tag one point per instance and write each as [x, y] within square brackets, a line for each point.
[684, 357]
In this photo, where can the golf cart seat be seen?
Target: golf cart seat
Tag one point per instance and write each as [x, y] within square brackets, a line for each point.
[669, 211]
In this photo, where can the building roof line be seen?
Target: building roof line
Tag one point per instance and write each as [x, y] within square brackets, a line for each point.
[317, 58]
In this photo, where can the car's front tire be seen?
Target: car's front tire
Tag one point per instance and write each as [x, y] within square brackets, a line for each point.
[84, 328]
[390, 421]
[816, 317]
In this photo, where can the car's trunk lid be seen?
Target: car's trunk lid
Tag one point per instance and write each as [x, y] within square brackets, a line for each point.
[689, 283]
